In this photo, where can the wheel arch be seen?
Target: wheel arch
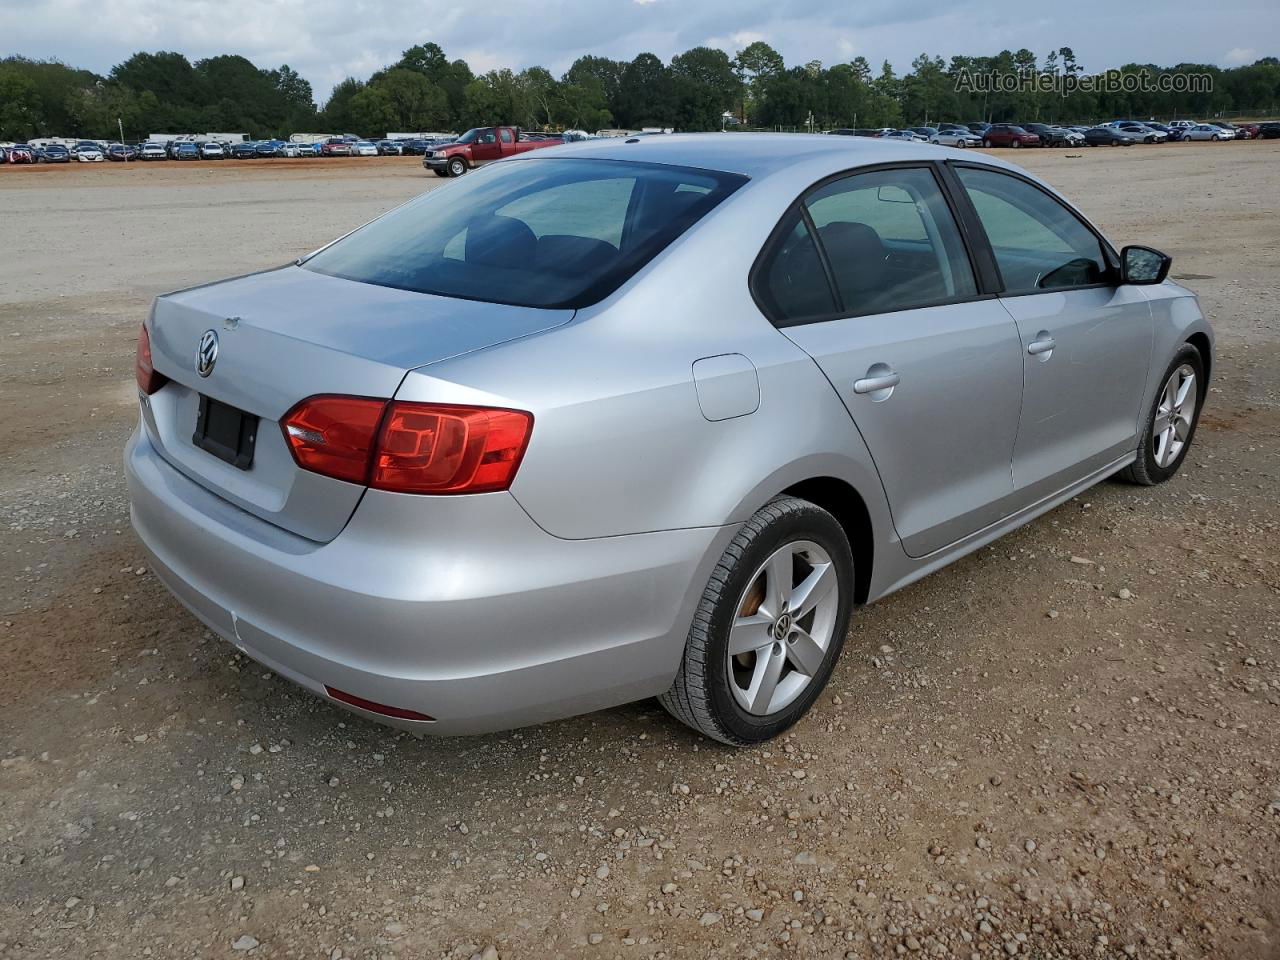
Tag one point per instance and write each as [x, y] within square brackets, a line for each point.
[1200, 341]
[840, 499]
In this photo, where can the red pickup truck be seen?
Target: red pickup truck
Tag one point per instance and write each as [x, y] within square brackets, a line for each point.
[480, 146]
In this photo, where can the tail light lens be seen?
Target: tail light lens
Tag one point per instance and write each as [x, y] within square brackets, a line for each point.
[407, 447]
[148, 380]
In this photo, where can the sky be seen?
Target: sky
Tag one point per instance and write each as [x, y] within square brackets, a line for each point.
[326, 40]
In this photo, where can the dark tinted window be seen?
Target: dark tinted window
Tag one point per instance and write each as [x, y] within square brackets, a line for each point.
[1039, 244]
[891, 241]
[536, 232]
[791, 283]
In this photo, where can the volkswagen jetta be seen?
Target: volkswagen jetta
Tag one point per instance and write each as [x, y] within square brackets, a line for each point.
[643, 417]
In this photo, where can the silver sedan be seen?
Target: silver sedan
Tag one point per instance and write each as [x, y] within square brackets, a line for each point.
[645, 417]
[956, 138]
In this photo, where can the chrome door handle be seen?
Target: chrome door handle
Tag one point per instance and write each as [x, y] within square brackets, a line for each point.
[885, 381]
[1043, 344]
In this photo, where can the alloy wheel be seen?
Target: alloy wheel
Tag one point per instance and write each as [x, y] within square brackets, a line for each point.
[1175, 414]
[783, 627]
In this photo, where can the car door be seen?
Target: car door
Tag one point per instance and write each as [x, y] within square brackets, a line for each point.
[486, 147]
[1086, 339]
[869, 274]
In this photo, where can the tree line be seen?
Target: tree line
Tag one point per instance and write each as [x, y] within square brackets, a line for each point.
[701, 89]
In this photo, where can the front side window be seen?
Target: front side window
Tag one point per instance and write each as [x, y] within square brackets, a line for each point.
[1038, 243]
[561, 233]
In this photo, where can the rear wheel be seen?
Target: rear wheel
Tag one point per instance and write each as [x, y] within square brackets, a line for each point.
[1171, 422]
[1016, 144]
[769, 627]
[986, 144]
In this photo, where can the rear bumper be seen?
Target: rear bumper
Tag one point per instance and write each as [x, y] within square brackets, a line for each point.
[459, 608]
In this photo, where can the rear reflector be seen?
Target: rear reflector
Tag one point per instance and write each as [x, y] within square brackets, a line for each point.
[148, 380]
[403, 447]
[398, 712]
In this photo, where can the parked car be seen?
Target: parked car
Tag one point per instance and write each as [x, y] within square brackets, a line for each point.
[953, 126]
[364, 148]
[1246, 131]
[1173, 133]
[480, 146]
[335, 147]
[980, 127]
[389, 148]
[1142, 133]
[1108, 137]
[269, 148]
[908, 135]
[1181, 124]
[151, 151]
[928, 133]
[244, 151]
[186, 151]
[1051, 136]
[21, 153]
[289, 149]
[212, 151]
[956, 137]
[414, 147]
[494, 460]
[120, 152]
[1208, 131]
[1009, 135]
[1228, 130]
[88, 153]
[53, 153]
[1269, 130]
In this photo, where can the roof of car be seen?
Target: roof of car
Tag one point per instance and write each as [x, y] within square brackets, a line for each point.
[757, 154]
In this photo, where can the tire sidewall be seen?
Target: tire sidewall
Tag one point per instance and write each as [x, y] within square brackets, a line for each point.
[456, 167]
[1189, 355]
[813, 524]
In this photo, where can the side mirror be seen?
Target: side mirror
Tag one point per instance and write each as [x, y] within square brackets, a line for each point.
[1143, 265]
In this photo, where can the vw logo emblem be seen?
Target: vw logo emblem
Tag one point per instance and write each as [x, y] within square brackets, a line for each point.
[782, 626]
[207, 353]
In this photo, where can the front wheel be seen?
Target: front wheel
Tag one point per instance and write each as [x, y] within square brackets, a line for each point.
[1171, 422]
[1017, 144]
[769, 627]
[457, 167]
[960, 144]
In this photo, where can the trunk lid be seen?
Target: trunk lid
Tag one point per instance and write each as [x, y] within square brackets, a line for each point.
[287, 334]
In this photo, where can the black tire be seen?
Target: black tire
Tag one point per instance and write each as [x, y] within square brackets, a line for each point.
[700, 696]
[456, 167]
[1145, 471]
[986, 144]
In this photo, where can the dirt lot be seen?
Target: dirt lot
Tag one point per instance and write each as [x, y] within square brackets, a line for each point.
[1024, 754]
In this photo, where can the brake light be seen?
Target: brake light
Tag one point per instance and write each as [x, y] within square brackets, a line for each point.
[334, 435]
[425, 448]
[148, 380]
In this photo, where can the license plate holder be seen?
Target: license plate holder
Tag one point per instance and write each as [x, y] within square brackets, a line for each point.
[227, 432]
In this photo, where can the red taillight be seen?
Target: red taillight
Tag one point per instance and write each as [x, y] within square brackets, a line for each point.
[433, 448]
[408, 447]
[334, 435]
[148, 380]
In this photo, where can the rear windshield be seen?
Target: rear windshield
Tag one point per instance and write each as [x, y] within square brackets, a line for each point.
[549, 232]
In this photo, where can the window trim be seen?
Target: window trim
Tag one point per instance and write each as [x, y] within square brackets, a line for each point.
[984, 242]
[777, 235]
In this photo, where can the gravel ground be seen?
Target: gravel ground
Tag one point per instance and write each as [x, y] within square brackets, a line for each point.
[1065, 745]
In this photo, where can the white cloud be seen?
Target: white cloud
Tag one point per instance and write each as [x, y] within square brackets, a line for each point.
[326, 40]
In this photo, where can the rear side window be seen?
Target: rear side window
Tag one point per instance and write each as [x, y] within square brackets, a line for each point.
[1038, 243]
[562, 233]
[888, 238]
[891, 241]
[791, 281]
